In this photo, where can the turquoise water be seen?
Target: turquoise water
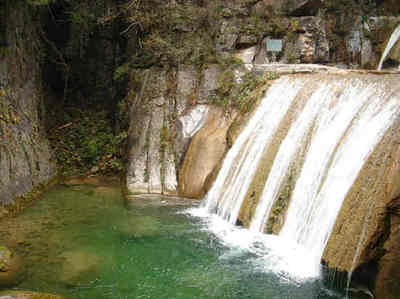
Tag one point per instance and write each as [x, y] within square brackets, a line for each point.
[86, 242]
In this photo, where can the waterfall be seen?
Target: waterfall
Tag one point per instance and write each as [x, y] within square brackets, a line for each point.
[335, 125]
[344, 138]
[295, 139]
[239, 166]
[392, 41]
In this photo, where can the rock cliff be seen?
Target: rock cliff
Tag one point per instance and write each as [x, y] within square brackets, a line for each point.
[25, 158]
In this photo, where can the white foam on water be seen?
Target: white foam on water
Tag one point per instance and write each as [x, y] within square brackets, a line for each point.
[270, 253]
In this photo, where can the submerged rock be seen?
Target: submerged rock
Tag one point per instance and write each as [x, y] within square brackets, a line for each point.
[10, 267]
[79, 266]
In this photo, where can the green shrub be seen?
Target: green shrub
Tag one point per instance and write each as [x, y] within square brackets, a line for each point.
[241, 96]
[86, 142]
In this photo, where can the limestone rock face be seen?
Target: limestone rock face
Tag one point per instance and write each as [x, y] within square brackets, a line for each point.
[25, 158]
[167, 109]
[205, 152]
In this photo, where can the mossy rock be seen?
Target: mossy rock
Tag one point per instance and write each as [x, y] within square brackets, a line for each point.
[10, 267]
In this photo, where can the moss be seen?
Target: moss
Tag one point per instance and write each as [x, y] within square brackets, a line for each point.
[169, 34]
[5, 257]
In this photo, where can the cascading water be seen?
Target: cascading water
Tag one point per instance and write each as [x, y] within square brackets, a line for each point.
[339, 149]
[295, 139]
[240, 164]
[329, 140]
[392, 41]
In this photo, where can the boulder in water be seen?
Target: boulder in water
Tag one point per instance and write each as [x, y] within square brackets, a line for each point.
[10, 267]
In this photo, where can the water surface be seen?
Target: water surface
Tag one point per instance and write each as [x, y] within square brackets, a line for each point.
[86, 242]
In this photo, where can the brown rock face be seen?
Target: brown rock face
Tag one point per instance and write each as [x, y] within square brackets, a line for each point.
[205, 152]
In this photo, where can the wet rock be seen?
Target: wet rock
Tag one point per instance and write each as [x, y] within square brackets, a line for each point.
[10, 267]
[27, 295]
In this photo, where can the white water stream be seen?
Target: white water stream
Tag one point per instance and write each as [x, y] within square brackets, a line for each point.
[226, 195]
[336, 132]
[345, 136]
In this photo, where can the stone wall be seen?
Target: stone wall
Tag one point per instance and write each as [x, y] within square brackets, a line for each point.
[25, 158]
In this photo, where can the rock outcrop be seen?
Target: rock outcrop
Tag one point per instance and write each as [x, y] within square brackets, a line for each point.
[204, 155]
[25, 158]
[167, 109]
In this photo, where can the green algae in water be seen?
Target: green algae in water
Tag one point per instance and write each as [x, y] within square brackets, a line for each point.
[82, 242]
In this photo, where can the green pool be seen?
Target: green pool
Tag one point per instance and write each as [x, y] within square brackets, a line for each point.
[87, 242]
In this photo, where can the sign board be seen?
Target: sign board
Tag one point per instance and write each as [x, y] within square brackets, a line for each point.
[274, 45]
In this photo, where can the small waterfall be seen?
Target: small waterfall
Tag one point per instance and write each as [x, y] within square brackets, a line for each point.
[344, 138]
[392, 41]
[336, 126]
[295, 140]
[226, 196]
